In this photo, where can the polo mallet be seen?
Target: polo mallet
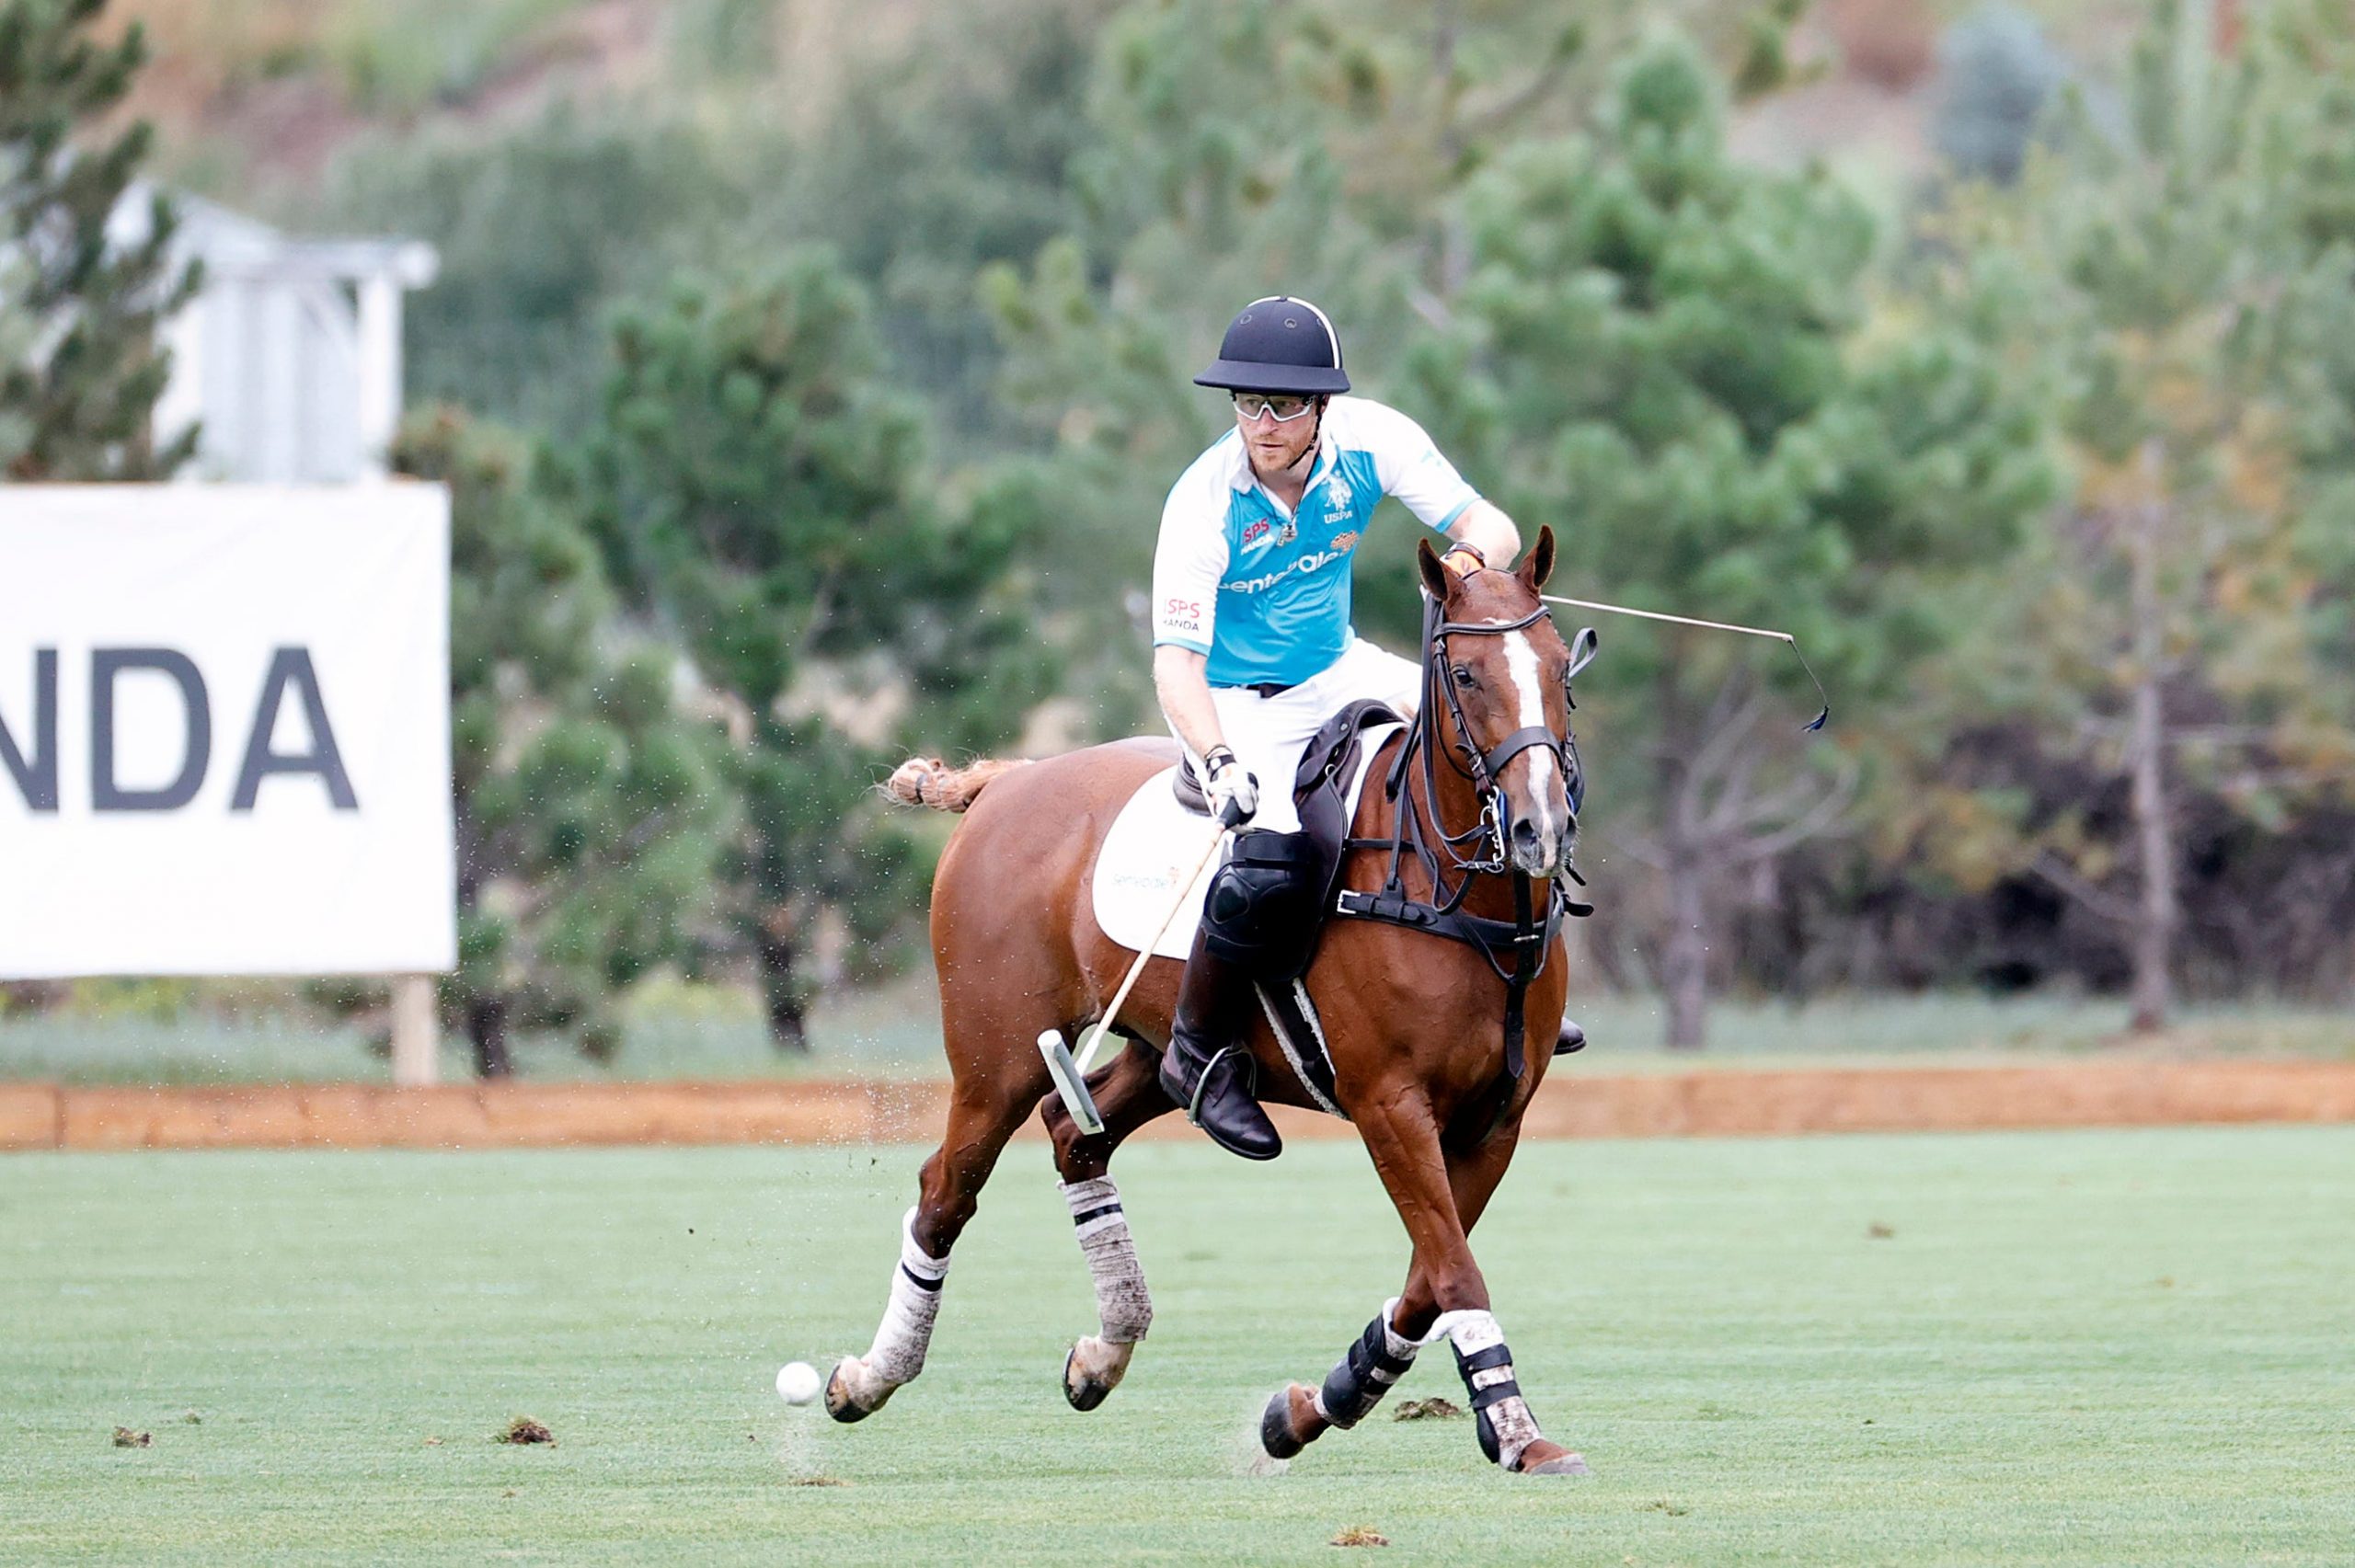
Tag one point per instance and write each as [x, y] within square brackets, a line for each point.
[1821, 718]
[1071, 1076]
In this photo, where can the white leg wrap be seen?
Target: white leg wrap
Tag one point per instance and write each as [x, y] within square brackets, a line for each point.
[1507, 1420]
[906, 1334]
[1123, 1305]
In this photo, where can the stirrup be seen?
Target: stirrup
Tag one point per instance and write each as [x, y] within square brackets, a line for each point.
[1202, 1081]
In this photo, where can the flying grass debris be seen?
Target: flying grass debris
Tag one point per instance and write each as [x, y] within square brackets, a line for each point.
[1880, 1230]
[124, 1438]
[1360, 1535]
[524, 1429]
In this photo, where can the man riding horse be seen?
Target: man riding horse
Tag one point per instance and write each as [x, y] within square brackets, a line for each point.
[1446, 877]
[1253, 650]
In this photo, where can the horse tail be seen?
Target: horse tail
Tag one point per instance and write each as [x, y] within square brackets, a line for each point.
[928, 780]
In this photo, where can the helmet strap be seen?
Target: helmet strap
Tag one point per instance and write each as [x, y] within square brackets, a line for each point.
[1316, 438]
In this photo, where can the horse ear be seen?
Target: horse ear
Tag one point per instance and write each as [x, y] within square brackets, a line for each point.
[1538, 564]
[1434, 575]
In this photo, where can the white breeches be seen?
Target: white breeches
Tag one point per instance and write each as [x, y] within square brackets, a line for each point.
[1268, 734]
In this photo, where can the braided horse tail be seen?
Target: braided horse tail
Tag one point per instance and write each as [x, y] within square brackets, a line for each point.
[928, 780]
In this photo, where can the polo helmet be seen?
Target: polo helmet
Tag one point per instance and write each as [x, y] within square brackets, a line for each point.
[1278, 345]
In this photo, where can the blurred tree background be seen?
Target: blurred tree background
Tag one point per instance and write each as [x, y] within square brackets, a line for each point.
[809, 376]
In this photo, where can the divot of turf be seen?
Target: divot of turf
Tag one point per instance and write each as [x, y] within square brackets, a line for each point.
[1432, 1409]
[1360, 1535]
[124, 1438]
[524, 1429]
[1880, 1230]
[817, 1481]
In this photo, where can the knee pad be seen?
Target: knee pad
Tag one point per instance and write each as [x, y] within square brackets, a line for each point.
[1261, 911]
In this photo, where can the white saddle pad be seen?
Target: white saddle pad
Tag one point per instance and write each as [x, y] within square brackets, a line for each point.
[1152, 844]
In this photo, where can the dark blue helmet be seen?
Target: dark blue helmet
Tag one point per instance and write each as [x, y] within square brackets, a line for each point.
[1280, 345]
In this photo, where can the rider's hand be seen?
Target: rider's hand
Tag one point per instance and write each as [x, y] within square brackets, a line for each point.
[1234, 794]
[1464, 559]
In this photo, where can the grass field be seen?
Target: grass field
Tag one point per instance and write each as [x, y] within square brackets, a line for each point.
[168, 1032]
[2116, 1347]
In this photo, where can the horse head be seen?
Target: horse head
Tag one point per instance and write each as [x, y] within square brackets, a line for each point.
[1497, 675]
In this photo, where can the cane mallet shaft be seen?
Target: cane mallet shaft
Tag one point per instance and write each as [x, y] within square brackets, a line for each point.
[1070, 1075]
[1823, 714]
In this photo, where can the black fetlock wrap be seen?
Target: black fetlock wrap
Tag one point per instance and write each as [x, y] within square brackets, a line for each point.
[1489, 1394]
[1354, 1387]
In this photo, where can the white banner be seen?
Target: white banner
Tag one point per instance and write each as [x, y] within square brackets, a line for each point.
[224, 730]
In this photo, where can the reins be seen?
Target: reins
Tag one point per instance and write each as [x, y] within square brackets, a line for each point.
[1526, 937]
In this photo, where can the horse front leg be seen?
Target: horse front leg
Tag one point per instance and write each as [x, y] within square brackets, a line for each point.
[1128, 1097]
[1440, 1197]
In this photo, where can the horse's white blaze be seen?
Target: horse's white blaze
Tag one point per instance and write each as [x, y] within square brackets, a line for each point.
[1521, 661]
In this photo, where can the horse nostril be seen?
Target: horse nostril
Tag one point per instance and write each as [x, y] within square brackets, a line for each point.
[1524, 834]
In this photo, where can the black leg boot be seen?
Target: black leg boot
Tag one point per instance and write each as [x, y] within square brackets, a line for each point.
[1572, 1038]
[1207, 1070]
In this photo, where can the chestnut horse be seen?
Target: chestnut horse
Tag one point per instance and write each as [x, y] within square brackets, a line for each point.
[1414, 1024]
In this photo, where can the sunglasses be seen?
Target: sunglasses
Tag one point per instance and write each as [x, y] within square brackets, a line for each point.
[1284, 410]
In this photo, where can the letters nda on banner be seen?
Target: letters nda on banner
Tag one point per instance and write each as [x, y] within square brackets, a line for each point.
[224, 730]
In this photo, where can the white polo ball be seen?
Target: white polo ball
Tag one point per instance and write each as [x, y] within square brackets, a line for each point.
[797, 1382]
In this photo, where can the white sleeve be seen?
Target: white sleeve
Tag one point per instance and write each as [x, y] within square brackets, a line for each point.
[1410, 467]
[1188, 563]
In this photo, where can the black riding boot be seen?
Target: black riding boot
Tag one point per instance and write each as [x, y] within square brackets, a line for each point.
[1207, 1069]
[1572, 1038]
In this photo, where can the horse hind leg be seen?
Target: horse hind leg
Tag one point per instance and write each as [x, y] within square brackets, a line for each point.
[981, 1116]
[1127, 1096]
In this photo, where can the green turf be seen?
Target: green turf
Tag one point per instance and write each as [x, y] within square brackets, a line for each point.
[237, 1032]
[2109, 1348]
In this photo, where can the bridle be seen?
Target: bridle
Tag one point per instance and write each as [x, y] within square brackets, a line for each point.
[1528, 937]
[1486, 769]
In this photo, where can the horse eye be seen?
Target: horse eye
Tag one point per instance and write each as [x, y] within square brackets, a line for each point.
[1463, 676]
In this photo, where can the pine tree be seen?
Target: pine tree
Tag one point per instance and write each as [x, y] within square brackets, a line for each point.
[591, 812]
[80, 402]
[1669, 356]
[2178, 284]
[764, 492]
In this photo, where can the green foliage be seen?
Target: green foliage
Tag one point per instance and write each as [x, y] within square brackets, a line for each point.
[1666, 354]
[1002, 94]
[2173, 286]
[761, 488]
[539, 227]
[82, 370]
[591, 813]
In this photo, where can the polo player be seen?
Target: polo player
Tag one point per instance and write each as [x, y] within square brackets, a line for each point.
[1253, 650]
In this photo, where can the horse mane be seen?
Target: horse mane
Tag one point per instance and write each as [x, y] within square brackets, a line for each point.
[928, 780]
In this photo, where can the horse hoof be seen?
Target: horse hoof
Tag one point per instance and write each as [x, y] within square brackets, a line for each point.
[1083, 1392]
[1290, 1422]
[1561, 1461]
[839, 1402]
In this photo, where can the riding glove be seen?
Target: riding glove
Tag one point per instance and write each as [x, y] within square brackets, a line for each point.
[1229, 784]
